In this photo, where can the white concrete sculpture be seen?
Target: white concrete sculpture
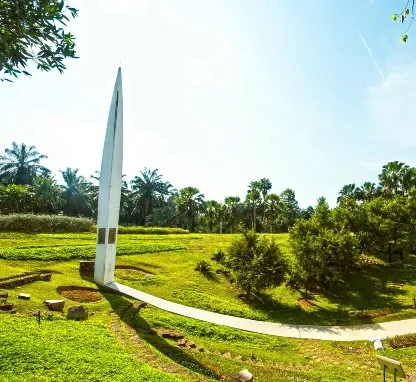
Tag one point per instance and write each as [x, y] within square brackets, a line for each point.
[110, 190]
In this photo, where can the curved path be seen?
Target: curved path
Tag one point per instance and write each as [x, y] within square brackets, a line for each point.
[334, 333]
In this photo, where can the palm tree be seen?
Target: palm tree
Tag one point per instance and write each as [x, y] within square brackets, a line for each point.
[348, 191]
[21, 164]
[264, 187]
[77, 194]
[395, 178]
[149, 191]
[253, 196]
[189, 203]
[232, 209]
[367, 191]
[212, 213]
[273, 209]
[47, 195]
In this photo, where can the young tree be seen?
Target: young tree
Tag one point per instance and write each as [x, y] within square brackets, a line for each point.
[256, 263]
[33, 30]
[76, 193]
[47, 196]
[324, 253]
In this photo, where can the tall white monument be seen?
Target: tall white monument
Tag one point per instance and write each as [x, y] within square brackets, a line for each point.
[110, 190]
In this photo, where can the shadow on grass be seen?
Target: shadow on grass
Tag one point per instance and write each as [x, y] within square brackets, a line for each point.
[211, 276]
[148, 335]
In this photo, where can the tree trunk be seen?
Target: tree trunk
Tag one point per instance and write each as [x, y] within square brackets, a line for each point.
[254, 216]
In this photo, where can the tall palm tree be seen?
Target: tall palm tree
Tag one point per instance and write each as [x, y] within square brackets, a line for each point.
[395, 178]
[232, 209]
[21, 164]
[189, 203]
[253, 195]
[149, 191]
[349, 191]
[273, 210]
[76, 192]
[212, 213]
[264, 187]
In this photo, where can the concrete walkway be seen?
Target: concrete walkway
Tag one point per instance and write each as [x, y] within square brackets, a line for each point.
[333, 333]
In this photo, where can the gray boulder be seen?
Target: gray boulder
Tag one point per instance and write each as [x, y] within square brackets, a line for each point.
[77, 312]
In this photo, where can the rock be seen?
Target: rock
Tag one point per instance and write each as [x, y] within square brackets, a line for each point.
[177, 336]
[165, 334]
[192, 344]
[24, 296]
[56, 305]
[181, 342]
[45, 276]
[6, 306]
[349, 368]
[242, 376]
[77, 312]
[201, 350]
[4, 294]
[227, 355]
[238, 357]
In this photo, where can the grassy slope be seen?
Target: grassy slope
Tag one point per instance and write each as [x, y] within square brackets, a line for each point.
[175, 279]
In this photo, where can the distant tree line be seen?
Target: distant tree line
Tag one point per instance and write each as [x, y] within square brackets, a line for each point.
[26, 186]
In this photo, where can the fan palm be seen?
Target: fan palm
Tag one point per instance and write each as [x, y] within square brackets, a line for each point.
[21, 164]
[149, 191]
[264, 187]
[395, 177]
[189, 203]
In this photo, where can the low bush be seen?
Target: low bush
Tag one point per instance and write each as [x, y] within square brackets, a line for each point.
[219, 256]
[29, 223]
[137, 230]
[404, 341]
[67, 252]
[203, 266]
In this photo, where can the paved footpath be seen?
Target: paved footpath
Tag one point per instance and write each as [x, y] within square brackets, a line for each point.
[333, 333]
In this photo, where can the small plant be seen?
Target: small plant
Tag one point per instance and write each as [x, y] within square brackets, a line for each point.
[219, 256]
[203, 266]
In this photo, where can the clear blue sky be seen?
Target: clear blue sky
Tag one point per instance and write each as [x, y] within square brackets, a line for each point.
[222, 92]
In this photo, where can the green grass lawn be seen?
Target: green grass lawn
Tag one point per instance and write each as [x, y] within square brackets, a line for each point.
[167, 270]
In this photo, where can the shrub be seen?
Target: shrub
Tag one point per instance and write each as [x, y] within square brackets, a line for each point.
[137, 230]
[203, 266]
[256, 262]
[43, 223]
[324, 253]
[219, 256]
[404, 341]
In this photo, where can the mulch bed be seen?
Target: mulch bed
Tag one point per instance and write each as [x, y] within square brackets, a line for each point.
[80, 294]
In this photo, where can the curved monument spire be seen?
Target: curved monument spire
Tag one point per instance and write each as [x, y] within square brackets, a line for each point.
[110, 189]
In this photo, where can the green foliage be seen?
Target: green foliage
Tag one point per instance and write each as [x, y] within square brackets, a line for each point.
[256, 262]
[403, 341]
[324, 252]
[134, 230]
[43, 223]
[21, 163]
[189, 203]
[79, 251]
[62, 350]
[15, 199]
[34, 31]
[219, 256]
[203, 266]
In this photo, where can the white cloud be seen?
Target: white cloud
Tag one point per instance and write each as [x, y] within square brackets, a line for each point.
[391, 106]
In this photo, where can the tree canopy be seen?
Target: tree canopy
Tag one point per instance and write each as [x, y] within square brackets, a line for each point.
[34, 31]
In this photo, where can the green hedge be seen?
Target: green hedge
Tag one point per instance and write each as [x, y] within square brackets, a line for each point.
[82, 251]
[136, 230]
[43, 223]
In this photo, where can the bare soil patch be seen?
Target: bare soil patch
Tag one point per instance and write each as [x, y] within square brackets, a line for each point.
[80, 294]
